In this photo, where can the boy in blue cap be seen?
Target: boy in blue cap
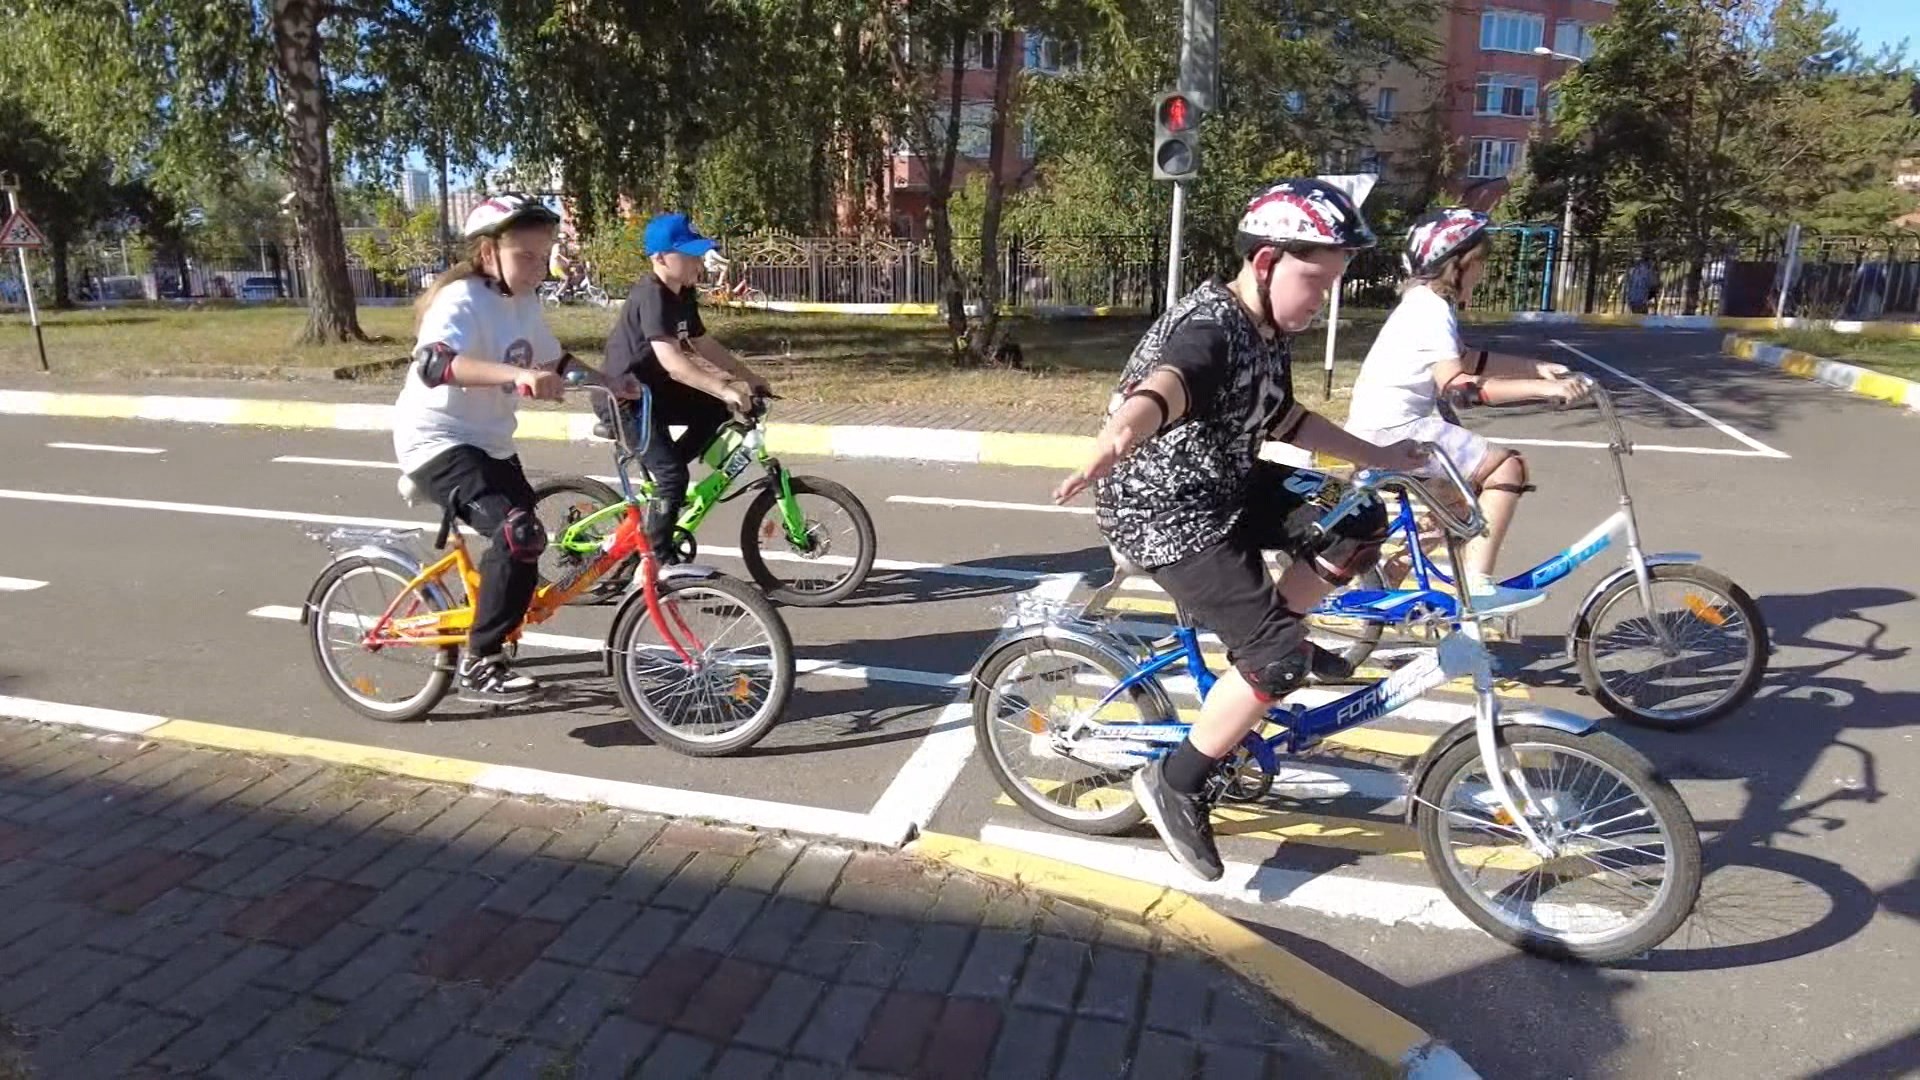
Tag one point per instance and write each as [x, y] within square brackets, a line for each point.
[660, 340]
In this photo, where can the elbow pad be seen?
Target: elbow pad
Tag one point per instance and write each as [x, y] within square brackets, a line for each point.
[434, 363]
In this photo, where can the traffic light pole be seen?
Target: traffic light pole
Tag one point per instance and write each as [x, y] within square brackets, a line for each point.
[1173, 243]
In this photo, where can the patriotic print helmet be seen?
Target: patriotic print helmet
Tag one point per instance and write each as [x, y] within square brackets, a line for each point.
[1303, 211]
[1440, 236]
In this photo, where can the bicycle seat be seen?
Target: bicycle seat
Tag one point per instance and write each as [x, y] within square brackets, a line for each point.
[410, 492]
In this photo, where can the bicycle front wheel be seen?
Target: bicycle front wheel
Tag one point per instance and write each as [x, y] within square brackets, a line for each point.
[829, 564]
[396, 682]
[732, 686]
[562, 503]
[1623, 867]
[1710, 662]
[1024, 707]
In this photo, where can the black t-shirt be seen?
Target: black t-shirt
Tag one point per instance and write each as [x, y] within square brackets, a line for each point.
[652, 313]
[1183, 490]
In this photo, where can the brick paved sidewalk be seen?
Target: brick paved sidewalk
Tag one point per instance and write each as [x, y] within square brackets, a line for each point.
[174, 911]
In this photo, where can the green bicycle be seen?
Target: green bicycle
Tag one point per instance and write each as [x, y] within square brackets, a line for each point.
[807, 523]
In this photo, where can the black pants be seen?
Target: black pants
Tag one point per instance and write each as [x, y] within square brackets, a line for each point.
[667, 458]
[482, 490]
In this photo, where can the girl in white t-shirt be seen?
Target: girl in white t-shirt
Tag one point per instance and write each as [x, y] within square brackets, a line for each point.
[482, 345]
[1418, 363]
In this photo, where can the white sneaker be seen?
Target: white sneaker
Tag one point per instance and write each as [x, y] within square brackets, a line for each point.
[1489, 597]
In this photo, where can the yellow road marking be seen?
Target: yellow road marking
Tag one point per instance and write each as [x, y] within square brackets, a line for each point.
[247, 740]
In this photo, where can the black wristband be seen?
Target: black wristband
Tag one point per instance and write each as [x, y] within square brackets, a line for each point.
[1481, 365]
[1157, 398]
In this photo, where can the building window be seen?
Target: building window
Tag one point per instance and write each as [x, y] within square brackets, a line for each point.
[1052, 55]
[1511, 31]
[1383, 106]
[1573, 38]
[1492, 158]
[1498, 94]
[983, 49]
[976, 128]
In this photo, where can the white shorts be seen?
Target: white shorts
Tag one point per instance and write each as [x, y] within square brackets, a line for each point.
[1469, 452]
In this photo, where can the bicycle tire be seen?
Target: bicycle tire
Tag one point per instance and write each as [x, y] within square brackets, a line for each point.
[780, 642]
[1676, 821]
[765, 503]
[1753, 670]
[600, 495]
[1358, 646]
[1122, 818]
[439, 679]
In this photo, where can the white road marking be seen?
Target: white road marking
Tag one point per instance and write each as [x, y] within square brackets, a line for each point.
[348, 463]
[990, 504]
[54, 712]
[920, 786]
[1581, 444]
[20, 584]
[1249, 883]
[1725, 429]
[570, 643]
[106, 448]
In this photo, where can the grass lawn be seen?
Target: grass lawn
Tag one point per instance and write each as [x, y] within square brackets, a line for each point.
[870, 360]
[1899, 357]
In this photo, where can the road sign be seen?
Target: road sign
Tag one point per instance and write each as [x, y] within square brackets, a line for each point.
[21, 232]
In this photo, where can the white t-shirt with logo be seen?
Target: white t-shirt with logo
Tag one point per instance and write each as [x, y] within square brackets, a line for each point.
[473, 319]
[1395, 386]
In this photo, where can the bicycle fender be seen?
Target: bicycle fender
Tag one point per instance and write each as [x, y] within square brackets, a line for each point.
[637, 594]
[1580, 613]
[1109, 650]
[1534, 716]
[401, 563]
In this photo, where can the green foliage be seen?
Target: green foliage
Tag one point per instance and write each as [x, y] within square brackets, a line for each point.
[401, 243]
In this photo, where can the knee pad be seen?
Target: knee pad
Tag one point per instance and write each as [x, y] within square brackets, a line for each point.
[524, 536]
[1355, 548]
[1520, 488]
[1273, 681]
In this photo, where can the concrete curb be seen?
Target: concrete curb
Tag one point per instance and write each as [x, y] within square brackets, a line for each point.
[1396, 1043]
[1705, 322]
[1854, 380]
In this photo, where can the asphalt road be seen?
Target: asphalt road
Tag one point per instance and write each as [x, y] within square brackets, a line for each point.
[158, 582]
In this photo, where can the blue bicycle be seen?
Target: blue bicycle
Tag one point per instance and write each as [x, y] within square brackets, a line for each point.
[1661, 642]
[1537, 825]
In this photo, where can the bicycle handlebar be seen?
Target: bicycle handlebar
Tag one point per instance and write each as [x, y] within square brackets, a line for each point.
[1368, 481]
[1608, 413]
[577, 380]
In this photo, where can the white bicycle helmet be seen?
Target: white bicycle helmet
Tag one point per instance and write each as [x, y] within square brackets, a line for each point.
[501, 212]
[1440, 236]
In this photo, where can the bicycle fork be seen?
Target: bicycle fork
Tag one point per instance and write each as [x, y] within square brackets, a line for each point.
[1504, 775]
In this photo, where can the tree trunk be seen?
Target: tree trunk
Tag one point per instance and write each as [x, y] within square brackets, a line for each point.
[446, 208]
[1696, 269]
[331, 314]
[991, 284]
[939, 197]
[60, 245]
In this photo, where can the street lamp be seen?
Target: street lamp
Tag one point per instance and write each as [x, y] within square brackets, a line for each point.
[1566, 223]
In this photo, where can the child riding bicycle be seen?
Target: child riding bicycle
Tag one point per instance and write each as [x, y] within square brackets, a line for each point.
[1418, 367]
[482, 344]
[660, 340]
[1180, 490]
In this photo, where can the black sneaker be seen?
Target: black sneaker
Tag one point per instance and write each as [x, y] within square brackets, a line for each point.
[603, 430]
[1327, 667]
[1180, 819]
[487, 680]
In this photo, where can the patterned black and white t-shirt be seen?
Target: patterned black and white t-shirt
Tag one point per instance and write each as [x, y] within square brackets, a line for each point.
[1182, 491]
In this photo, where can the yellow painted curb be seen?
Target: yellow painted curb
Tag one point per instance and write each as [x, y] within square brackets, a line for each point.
[805, 440]
[1031, 449]
[248, 740]
[1378, 1031]
[1838, 374]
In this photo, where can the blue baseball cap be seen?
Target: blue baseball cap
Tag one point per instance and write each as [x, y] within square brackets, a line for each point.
[673, 232]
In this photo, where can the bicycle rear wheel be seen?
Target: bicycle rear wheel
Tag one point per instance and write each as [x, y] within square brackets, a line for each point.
[1718, 656]
[1024, 703]
[1619, 836]
[395, 682]
[560, 503]
[735, 684]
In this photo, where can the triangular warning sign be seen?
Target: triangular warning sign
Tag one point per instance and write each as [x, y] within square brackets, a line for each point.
[21, 232]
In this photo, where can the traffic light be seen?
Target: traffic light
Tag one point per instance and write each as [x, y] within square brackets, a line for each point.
[1176, 136]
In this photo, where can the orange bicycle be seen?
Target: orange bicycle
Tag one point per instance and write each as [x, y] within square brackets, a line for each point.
[702, 662]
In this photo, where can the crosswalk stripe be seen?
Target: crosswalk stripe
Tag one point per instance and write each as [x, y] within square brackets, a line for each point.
[20, 584]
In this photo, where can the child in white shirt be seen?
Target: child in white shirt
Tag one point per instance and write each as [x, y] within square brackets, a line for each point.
[1418, 365]
[482, 345]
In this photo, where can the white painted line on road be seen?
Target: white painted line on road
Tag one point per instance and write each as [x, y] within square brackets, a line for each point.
[917, 790]
[217, 511]
[20, 584]
[1581, 444]
[1724, 429]
[348, 463]
[54, 712]
[990, 504]
[1387, 902]
[106, 448]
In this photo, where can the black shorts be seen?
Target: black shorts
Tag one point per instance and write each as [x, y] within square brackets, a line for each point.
[1227, 588]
